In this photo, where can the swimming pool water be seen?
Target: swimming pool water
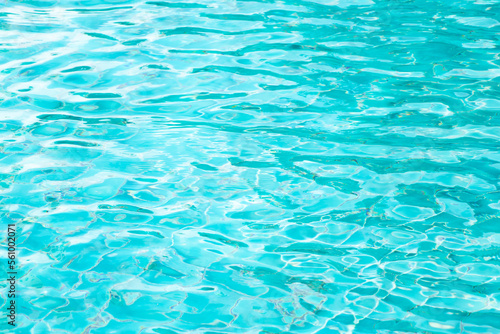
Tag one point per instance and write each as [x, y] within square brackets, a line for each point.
[320, 166]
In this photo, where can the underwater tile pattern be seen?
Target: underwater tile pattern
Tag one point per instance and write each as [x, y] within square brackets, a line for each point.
[296, 166]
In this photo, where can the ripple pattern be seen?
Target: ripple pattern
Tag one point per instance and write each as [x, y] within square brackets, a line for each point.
[298, 166]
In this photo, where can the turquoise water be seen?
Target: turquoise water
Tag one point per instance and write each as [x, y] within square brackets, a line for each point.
[322, 166]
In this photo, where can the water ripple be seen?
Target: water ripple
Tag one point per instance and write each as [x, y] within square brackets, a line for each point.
[322, 166]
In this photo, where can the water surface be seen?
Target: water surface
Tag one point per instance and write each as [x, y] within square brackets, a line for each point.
[323, 166]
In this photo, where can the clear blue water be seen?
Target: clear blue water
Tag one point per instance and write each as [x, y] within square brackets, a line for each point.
[322, 166]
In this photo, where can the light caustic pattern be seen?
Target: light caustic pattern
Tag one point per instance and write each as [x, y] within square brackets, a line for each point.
[321, 166]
